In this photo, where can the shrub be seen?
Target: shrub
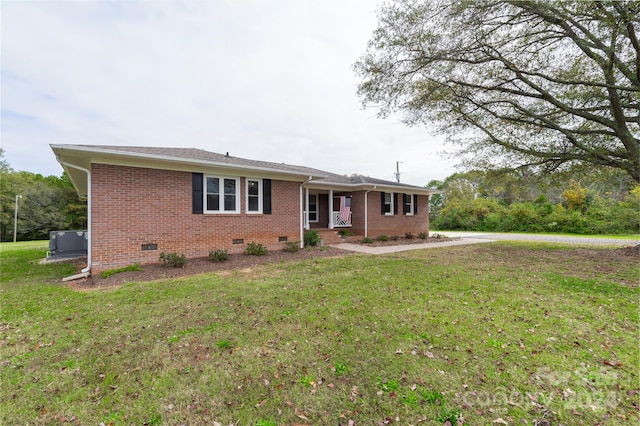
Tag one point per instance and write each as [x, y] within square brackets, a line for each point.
[382, 238]
[367, 240]
[521, 217]
[255, 249]
[173, 259]
[422, 235]
[408, 235]
[218, 255]
[394, 238]
[495, 222]
[311, 238]
[291, 246]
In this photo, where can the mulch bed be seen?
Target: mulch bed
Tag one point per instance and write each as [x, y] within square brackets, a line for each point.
[400, 241]
[242, 262]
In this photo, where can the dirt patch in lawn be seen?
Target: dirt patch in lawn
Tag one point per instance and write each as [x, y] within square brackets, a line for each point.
[241, 262]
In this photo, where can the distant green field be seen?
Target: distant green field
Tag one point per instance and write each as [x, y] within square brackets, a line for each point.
[25, 245]
[487, 334]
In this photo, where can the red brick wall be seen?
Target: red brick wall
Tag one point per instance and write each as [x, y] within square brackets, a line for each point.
[135, 206]
[380, 224]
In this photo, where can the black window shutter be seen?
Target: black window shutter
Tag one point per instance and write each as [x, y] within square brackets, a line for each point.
[405, 207]
[197, 181]
[395, 203]
[415, 204]
[382, 202]
[266, 196]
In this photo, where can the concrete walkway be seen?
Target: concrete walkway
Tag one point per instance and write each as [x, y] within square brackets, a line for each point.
[362, 248]
[466, 238]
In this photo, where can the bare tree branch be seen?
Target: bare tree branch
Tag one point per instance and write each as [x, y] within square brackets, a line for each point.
[549, 79]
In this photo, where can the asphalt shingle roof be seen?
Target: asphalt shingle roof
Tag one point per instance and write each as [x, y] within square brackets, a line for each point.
[195, 154]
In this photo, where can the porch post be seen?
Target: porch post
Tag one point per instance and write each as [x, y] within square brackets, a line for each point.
[306, 208]
[331, 209]
[366, 213]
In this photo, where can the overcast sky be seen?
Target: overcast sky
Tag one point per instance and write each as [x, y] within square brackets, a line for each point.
[265, 80]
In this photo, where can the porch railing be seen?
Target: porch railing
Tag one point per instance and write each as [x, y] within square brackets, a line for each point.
[340, 223]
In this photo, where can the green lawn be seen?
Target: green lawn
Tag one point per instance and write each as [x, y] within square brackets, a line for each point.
[498, 333]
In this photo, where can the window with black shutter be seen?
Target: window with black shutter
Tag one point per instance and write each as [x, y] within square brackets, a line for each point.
[266, 196]
[197, 182]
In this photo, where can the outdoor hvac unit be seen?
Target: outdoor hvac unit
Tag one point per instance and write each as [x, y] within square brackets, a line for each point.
[65, 244]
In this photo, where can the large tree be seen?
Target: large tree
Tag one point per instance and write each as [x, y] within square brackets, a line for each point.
[515, 83]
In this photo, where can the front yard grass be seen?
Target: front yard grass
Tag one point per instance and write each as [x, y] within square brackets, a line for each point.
[500, 333]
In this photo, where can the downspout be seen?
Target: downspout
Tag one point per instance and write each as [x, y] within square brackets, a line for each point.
[307, 226]
[86, 271]
[366, 211]
[302, 214]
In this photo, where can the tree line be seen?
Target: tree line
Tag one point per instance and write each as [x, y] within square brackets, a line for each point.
[600, 201]
[48, 203]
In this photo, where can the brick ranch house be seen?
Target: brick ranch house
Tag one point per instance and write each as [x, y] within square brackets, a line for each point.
[143, 201]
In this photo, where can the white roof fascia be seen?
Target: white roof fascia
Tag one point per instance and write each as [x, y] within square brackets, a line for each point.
[319, 184]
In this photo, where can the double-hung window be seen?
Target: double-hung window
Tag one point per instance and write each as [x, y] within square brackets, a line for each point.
[222, 194]
[313, 208]
[254, 195]
[409, 206]
[388, 204]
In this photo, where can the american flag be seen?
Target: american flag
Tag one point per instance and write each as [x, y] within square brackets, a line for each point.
[345, 209]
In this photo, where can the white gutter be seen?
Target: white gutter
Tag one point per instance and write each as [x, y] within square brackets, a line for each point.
[302, 215]
[320, 184]
[366, 211]
[86, 271]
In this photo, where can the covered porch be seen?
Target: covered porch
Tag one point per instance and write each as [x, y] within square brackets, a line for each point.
[327, 209]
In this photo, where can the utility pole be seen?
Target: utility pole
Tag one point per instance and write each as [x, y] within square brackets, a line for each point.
[398, 171]
[15, 219]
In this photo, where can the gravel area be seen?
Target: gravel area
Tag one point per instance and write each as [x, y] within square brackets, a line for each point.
[538, 237]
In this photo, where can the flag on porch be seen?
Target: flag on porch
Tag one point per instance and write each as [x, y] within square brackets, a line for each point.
[345, 209]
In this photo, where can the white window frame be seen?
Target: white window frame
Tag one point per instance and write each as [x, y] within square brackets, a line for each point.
[410, 204]
[390, 203]
[221, 210]
[317, 219]
[260, 196]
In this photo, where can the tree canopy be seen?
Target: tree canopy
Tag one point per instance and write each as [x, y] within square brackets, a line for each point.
[515, 83]
[47, 204]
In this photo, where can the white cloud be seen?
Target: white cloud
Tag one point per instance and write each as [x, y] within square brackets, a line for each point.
[263, 80]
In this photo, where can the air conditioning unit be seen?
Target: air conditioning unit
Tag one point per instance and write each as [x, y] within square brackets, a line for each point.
[67, 244]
